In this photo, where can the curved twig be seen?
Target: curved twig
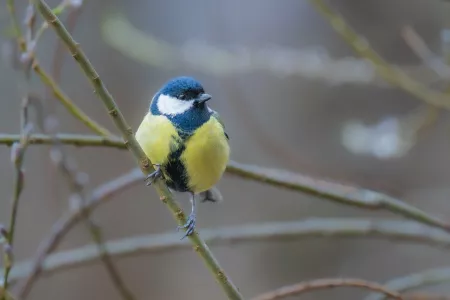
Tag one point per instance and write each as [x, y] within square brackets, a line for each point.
[327, 283]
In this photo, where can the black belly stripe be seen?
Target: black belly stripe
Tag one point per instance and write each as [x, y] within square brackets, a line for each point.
[175, 169]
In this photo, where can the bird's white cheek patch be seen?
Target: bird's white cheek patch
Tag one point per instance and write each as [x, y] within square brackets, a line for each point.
[172, 106]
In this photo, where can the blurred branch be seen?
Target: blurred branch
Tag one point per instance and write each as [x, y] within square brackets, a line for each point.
[101, 194]
[18, 151]
[431, 60]
[392, 75]
[67, 102]
[77, 184]
[69, 139]
[27, 50]
[6, 294]
[119, 33]
[424, 296]
[17, 157]
[327, 283]
[343, 194]
[127, 133]
[397, 231]
[415, 280]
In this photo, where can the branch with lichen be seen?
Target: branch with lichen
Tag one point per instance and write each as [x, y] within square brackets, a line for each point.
[336, 192]
[326, 283]
[134, 147]
[398, 231]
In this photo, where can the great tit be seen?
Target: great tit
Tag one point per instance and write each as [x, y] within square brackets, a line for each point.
[186, 141]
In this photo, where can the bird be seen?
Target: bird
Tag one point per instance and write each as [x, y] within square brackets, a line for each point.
[186, 142]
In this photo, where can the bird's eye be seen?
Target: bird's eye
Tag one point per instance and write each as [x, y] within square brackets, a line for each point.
[182, 96]
[196, 103]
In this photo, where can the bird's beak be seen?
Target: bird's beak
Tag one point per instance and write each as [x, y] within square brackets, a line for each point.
[203, 98]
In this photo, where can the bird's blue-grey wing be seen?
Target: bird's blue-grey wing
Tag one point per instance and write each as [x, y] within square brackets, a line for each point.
[216, 115]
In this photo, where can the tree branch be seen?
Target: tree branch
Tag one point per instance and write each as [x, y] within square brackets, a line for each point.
[69, 139]
[397, 231]
[343, 194]
[327, 283]
[127, 133]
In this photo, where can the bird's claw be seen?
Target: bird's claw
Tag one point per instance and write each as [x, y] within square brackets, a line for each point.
[189, 225]
[154, 175]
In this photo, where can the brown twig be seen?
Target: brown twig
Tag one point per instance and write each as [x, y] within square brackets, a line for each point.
[327, 283]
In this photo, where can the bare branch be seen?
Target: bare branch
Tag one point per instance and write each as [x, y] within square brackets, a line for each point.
[327, 283]
[336, 192]
[396, 231]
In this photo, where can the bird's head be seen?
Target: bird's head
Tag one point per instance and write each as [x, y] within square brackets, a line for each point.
[180, 95]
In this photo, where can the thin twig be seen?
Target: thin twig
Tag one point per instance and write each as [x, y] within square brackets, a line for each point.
[18, 151]
[77, 184]
[17, 156]
[69, 139]
[134, 147]
[415, 280]
[420, 48]
[100, 195]
[67, 102]
[395, 231]
[48, 80]
[392, 75]
[327, 283]
[336, 192]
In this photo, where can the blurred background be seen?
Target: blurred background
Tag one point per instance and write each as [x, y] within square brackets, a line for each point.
[293, 95]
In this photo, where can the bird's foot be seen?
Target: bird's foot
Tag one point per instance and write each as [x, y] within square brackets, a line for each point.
[154, 175]
[189, 225]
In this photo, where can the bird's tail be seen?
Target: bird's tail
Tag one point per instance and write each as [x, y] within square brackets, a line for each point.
[211, 195]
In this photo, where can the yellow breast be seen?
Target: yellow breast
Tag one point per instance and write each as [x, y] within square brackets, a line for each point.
[154, 135]
[206, 152]
[206, 156]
